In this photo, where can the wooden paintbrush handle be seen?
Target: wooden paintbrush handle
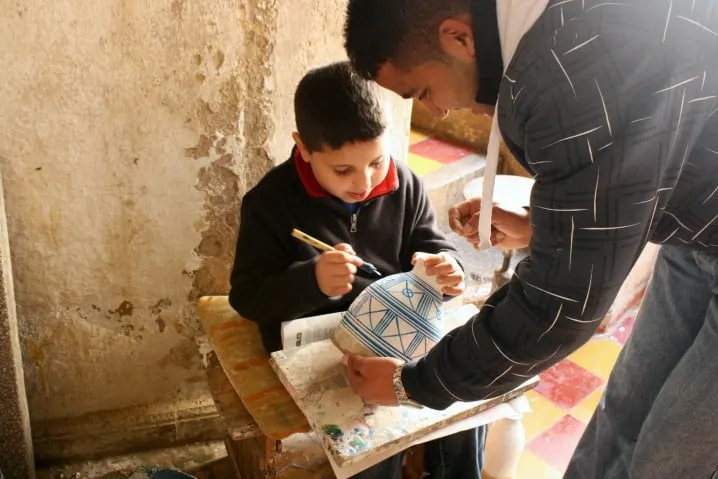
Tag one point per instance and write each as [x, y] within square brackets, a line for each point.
[311, 241]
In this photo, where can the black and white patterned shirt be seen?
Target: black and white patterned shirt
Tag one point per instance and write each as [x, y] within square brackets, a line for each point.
[613, 107]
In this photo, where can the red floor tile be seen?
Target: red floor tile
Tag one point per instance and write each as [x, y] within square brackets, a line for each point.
[439, 150]
[556, 445]
[567, 384]
[623, 331]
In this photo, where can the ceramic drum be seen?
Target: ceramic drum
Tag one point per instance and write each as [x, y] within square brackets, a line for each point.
[398, 316]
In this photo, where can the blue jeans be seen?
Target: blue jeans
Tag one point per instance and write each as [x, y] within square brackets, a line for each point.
[460, 456]
[659, 415]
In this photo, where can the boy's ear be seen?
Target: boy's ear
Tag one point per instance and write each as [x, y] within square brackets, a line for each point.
[302, 149]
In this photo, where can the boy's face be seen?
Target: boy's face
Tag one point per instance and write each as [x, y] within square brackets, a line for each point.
[351, 172]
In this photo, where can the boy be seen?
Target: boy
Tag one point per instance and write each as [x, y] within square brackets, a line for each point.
[340, 186]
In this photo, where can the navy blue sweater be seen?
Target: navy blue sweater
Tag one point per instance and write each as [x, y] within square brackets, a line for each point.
[273, 279]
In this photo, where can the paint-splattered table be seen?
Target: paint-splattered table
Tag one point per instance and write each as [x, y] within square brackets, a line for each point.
[353, 433]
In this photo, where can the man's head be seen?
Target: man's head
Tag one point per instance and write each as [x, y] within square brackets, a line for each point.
[420, 49]
[341, 127]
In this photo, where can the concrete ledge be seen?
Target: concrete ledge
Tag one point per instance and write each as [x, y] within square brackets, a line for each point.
[186, 458]
[125, 431]
[446, 185]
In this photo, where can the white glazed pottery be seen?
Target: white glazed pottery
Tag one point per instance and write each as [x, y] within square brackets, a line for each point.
[399, 316]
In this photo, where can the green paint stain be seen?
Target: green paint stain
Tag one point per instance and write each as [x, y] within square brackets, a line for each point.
[358, 444]
[333, 431]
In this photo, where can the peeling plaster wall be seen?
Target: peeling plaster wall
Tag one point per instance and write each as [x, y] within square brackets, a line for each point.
[129, 131]
[104, 104]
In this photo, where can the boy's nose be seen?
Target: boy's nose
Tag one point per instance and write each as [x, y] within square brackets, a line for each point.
[364, 181]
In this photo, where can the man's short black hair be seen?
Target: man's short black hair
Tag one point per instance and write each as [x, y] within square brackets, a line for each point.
[333, 106]
[405, 32]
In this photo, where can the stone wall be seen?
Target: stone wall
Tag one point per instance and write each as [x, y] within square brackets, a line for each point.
[128, 134]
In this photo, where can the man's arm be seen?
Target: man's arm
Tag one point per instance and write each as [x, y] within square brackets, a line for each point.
[266, 283]
[602, 179]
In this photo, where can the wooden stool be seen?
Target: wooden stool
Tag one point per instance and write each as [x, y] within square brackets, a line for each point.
[255, 456]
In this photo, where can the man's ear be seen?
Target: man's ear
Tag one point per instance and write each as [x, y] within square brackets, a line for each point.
[456, 38]
[302, 149]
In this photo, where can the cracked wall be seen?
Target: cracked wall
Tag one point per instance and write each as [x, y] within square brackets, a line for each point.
[128, 134]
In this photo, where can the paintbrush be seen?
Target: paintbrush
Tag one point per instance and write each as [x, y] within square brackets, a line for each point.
[368, 268]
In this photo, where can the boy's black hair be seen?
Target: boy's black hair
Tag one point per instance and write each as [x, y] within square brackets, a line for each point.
[405, 32]
[333, 106]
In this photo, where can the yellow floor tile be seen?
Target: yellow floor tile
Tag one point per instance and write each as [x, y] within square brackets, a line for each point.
[597, 356]
[543, 415]
[533, 467]
[421, 166]
[416, 137]
[584, 410]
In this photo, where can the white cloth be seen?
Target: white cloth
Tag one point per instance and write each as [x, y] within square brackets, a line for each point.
[515, 17]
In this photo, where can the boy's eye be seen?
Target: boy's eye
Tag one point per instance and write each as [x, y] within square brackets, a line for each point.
[342, 172]
[377, 163]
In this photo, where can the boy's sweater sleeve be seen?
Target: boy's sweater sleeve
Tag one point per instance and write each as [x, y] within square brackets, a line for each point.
[266, 285]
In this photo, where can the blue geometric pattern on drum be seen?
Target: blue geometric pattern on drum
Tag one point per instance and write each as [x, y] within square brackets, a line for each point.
[398, 316]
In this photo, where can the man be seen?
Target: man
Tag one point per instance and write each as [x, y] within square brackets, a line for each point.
[612, 107]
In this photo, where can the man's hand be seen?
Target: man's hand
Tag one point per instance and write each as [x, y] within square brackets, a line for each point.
[447, 271]
[372, 378]
[510, 227]
[335, 270]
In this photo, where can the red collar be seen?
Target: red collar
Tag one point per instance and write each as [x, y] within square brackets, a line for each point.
[315, 190]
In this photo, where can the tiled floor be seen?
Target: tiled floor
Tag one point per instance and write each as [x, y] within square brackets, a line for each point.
[568, 393]
[429, 154]
[564, 401]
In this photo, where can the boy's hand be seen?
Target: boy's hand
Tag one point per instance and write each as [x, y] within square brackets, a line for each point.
[447, 271]
[335, 270]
